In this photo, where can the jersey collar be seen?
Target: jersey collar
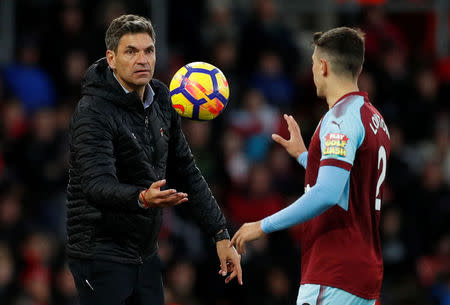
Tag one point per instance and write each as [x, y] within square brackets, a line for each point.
[360, 93]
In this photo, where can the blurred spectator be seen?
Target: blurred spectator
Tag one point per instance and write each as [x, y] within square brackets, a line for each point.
[434, 193]
[437, 148]
[393, 83]
[13, 129]
[36, 287]
[12, 226]
[181, 280]
[235, 162]
[27, 81]
[257, 201]
[70, 32]
[277, 292]
[394, 248]
[13, 123]
[198, 135]
[424, 102]
[42, 166]
[283, 170]
[366, 83]
[75, 63]
[6, 274]
[255, 122]
[65, 291]
[441, 290]
[219, 22]
[381, 33]
[265, 31]
[434, 268]
[103, 13]
[271, 80]
[38, 249]
[224, 56]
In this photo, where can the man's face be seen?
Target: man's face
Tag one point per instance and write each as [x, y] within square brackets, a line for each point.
[134, 61]
[317, 70]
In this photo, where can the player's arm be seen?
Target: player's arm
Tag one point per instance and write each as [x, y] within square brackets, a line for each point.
[295, 145]
[327, 192]
[340, 137]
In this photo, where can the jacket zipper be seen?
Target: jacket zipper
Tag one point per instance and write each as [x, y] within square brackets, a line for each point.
[141, 261]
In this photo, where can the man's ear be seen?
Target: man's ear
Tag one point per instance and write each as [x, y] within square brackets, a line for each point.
[111, 58]
[324, 67]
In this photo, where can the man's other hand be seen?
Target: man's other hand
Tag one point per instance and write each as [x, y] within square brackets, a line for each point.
[153, 197]
[230, 261]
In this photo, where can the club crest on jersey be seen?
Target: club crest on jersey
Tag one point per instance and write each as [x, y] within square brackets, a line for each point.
[335, 144]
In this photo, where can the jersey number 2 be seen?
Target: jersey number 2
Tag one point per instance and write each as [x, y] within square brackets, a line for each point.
[381, 158]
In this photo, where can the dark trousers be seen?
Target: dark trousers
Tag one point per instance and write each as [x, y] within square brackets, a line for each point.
[107, 283]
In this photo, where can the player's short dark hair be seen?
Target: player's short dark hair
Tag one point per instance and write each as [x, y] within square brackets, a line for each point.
[126, 24]
[345, 46]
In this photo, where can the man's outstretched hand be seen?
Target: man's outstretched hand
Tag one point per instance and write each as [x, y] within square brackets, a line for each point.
[295, 145]
[153, 197]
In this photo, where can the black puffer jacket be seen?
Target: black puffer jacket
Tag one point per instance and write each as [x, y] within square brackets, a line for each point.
[118, 149]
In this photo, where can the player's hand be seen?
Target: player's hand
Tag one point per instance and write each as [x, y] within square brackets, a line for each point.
[230, 261]
[153, 197]
[295, 145]
[248, 232]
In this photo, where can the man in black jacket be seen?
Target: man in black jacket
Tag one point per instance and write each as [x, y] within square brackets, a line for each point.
[125, 137]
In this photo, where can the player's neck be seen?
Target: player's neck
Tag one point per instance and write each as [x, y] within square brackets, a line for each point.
[338, 90]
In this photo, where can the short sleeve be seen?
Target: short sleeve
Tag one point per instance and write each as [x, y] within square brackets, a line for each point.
[340, 137]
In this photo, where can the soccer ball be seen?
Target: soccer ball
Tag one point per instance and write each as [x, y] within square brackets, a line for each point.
[199, 91]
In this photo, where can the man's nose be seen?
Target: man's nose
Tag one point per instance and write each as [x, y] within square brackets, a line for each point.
[141, 58]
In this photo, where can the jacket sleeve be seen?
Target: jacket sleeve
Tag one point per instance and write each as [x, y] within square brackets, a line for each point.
[92, 144]
[186, 177]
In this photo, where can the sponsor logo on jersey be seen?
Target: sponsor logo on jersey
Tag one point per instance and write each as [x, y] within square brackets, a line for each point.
[335, 144]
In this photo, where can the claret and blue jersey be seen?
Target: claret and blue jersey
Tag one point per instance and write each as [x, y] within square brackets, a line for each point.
[340, 210]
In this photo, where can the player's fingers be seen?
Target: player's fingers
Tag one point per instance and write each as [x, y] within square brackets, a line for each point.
[293, 127]
[233, 240]
[294, 124]
[290, 124]
[279, 139]
[240, 244]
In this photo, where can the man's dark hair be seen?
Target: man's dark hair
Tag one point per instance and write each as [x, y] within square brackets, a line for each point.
[345, 46]
[126, 24]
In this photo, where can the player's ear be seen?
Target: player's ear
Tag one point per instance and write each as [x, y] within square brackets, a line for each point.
[111, 58]
[324, 67]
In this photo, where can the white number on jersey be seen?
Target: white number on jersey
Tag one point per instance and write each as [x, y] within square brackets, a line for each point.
[383, 158]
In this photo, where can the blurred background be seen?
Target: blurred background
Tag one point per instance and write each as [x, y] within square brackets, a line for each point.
[263, 47]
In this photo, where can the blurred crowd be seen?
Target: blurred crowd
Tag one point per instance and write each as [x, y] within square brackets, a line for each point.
[269, 72]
